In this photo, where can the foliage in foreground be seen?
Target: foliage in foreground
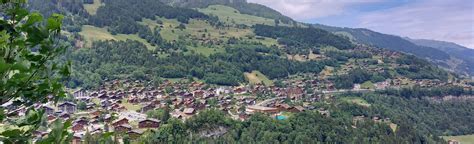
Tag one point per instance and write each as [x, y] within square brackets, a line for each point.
[212, 126]
[28, 45]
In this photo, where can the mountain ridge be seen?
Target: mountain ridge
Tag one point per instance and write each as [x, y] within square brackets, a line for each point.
[437, 55]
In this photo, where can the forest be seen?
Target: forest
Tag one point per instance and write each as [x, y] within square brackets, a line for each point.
[108, 60]
[121, 16]
[213, 126]
[444, 117]
[302, 37]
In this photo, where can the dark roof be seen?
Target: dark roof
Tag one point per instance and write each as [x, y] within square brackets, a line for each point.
[151, 119]
[67, 103]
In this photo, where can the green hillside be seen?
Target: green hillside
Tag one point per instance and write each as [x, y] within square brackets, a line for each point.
[449, 57]
[335, 85]
[241, 5]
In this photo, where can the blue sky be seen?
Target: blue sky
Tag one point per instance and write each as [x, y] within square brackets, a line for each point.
[446, 20]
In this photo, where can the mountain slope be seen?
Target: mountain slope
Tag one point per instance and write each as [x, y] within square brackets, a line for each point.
[460, 52]
[452, 57]
[241, 5]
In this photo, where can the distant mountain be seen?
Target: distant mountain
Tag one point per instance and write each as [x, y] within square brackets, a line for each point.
[447, 55]
[460, 52]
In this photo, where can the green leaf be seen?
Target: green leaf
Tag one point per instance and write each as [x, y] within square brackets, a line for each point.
[32, 19]
[2, 114]
[54, 22]
[22, 66]
[3, 66]
[11, 133]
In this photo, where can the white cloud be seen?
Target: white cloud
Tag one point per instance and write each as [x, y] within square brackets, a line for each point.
[447, 20]
[310, 9]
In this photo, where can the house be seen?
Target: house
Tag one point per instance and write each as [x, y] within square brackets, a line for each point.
[122, 128]
[67, 107]
[82, 121]
[96, 113]
[51, 117]
[294, 93]
[240, 90]
[256, 109]
[135, 134]
[147, 108]
[297, 109]
[120, 122]
[107, 118]
[48, 110]
[149, 123]
[65, 116]
[283, 107]
[79, 94]
[103, 96]
[76, 139]
[77, 127]
[189, 111]
[199, 93]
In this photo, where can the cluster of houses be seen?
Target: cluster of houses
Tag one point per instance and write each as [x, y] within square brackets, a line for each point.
[121, 106]
[109, 108]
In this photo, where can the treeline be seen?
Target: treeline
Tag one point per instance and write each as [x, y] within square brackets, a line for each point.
[121, 16]
[131, 60]
[416, 68]
[419, 92]
[443, 118]
[241, 5]
[303, 37]
[213, 126]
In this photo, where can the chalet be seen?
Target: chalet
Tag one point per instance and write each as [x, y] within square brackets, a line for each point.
[283, 107]
[77, 127]
[48, 110]
[76, 139]
[176, 114]
[147, 108]
[240, 90]
[297, 109]
[135, 134]
[96, 113]
[65, 116]
[222, 90]
[189, 111]
[82, 121]
[120, 122]
[256, 109]
[107, 118]
[294, 93]
[94, 94]
[199, 93]
[79, 94]
[103, 96]
[67, 107]
[124, 128]
[51, 117]
[105, 103]
[149, 123]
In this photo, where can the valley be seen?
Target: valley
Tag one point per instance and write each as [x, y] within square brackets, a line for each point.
[225, 71]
